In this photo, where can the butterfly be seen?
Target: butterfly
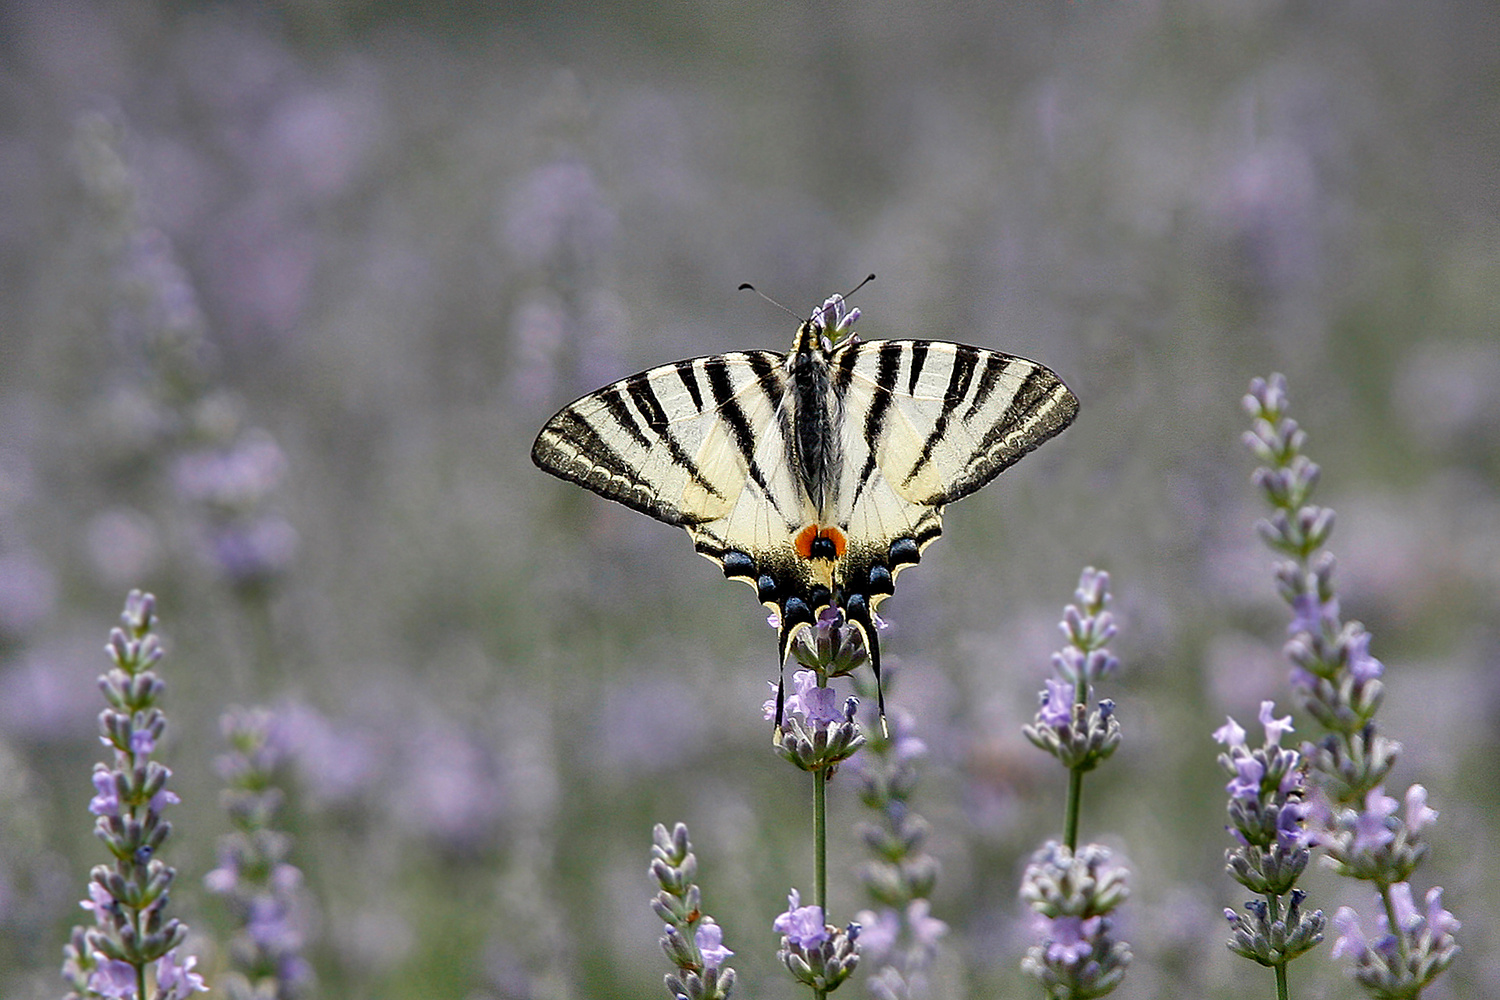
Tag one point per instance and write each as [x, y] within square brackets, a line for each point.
[815, 476]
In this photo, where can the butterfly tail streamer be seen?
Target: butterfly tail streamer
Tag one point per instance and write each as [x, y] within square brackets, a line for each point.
[857, 613]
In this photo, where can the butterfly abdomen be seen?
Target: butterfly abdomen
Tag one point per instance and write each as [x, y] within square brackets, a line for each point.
[813, 446]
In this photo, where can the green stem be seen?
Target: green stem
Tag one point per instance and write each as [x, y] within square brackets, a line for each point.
[820, 850]
[820, 838]
[1075, 805]
[1273, 910]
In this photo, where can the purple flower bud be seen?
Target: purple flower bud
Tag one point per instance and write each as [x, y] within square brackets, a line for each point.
[1247, 785]
[100, 903]
[802, 925]
[107, 802]
[710, 940]
[1356, 644]
[1057, 704]
[1275, 728]
[175, 979]
[113, 978]
[1371, 829]
[1418, 816]
[1408, 919]
[1231, 734]
[1351, 940]
[142, 742]
[1439, 921]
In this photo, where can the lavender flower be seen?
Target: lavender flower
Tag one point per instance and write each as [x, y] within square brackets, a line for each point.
[1073, 890]
[1266, 815]
[1065, 726]
[835, 319]
[815, 953]
[1337, 681]
[817, 732]
[1403, 958]
[128, 900]
[1072, 896]
[691, 939]
[263, 890]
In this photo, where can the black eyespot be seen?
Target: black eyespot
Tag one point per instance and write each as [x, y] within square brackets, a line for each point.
[765, 588]
[905, 550]
[738, 564]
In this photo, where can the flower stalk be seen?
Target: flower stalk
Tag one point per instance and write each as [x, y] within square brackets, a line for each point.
[1073, 890]
[816, 734]
[1338, 683]
[692, 941]
[133, 946]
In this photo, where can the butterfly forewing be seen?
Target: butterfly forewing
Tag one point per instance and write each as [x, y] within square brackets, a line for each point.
[669, 442]
[954, 417]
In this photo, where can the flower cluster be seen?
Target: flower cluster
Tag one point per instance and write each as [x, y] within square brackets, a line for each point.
[1072, 895]
[1073, 890]
[817, 731]
[263, 890]
[1399, 962]
[1337, 681]
[815, 953]
[1267, 817]
[693, 942]
[1065, 726]
[131, 932]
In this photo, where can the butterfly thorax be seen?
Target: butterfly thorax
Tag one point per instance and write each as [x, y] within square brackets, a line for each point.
[812, 415]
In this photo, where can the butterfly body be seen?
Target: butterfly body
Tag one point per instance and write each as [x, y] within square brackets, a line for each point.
[817, 476]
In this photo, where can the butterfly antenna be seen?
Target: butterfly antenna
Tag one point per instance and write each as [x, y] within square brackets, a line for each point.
[868, 278]
[747, 287]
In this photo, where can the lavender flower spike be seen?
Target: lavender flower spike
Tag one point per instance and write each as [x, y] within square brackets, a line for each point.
[1338, 682]
[263, 890]
[1079, 737]
[691, 939]
[1073, 890]
[131, 934]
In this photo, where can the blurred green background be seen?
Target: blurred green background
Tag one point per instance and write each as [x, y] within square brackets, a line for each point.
[287, 289]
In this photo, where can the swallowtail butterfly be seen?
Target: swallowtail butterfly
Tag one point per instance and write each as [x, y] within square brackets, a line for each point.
[815, 476]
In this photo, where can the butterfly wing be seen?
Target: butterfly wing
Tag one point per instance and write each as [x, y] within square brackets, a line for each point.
[700, 444]
[926, 423]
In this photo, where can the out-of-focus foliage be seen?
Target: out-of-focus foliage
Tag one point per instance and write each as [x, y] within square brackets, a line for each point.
[286, 291]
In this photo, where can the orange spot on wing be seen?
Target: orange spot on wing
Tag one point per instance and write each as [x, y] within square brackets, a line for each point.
[804, 541]
[837, 537]
[812, 533]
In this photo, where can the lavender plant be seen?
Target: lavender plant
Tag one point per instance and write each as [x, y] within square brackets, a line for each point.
[692, 940]
[262, 888]
[1337, 682]
[1074, 890]
[133, 949]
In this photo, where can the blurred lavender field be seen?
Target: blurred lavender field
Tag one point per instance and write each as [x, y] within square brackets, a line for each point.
[287, 290]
